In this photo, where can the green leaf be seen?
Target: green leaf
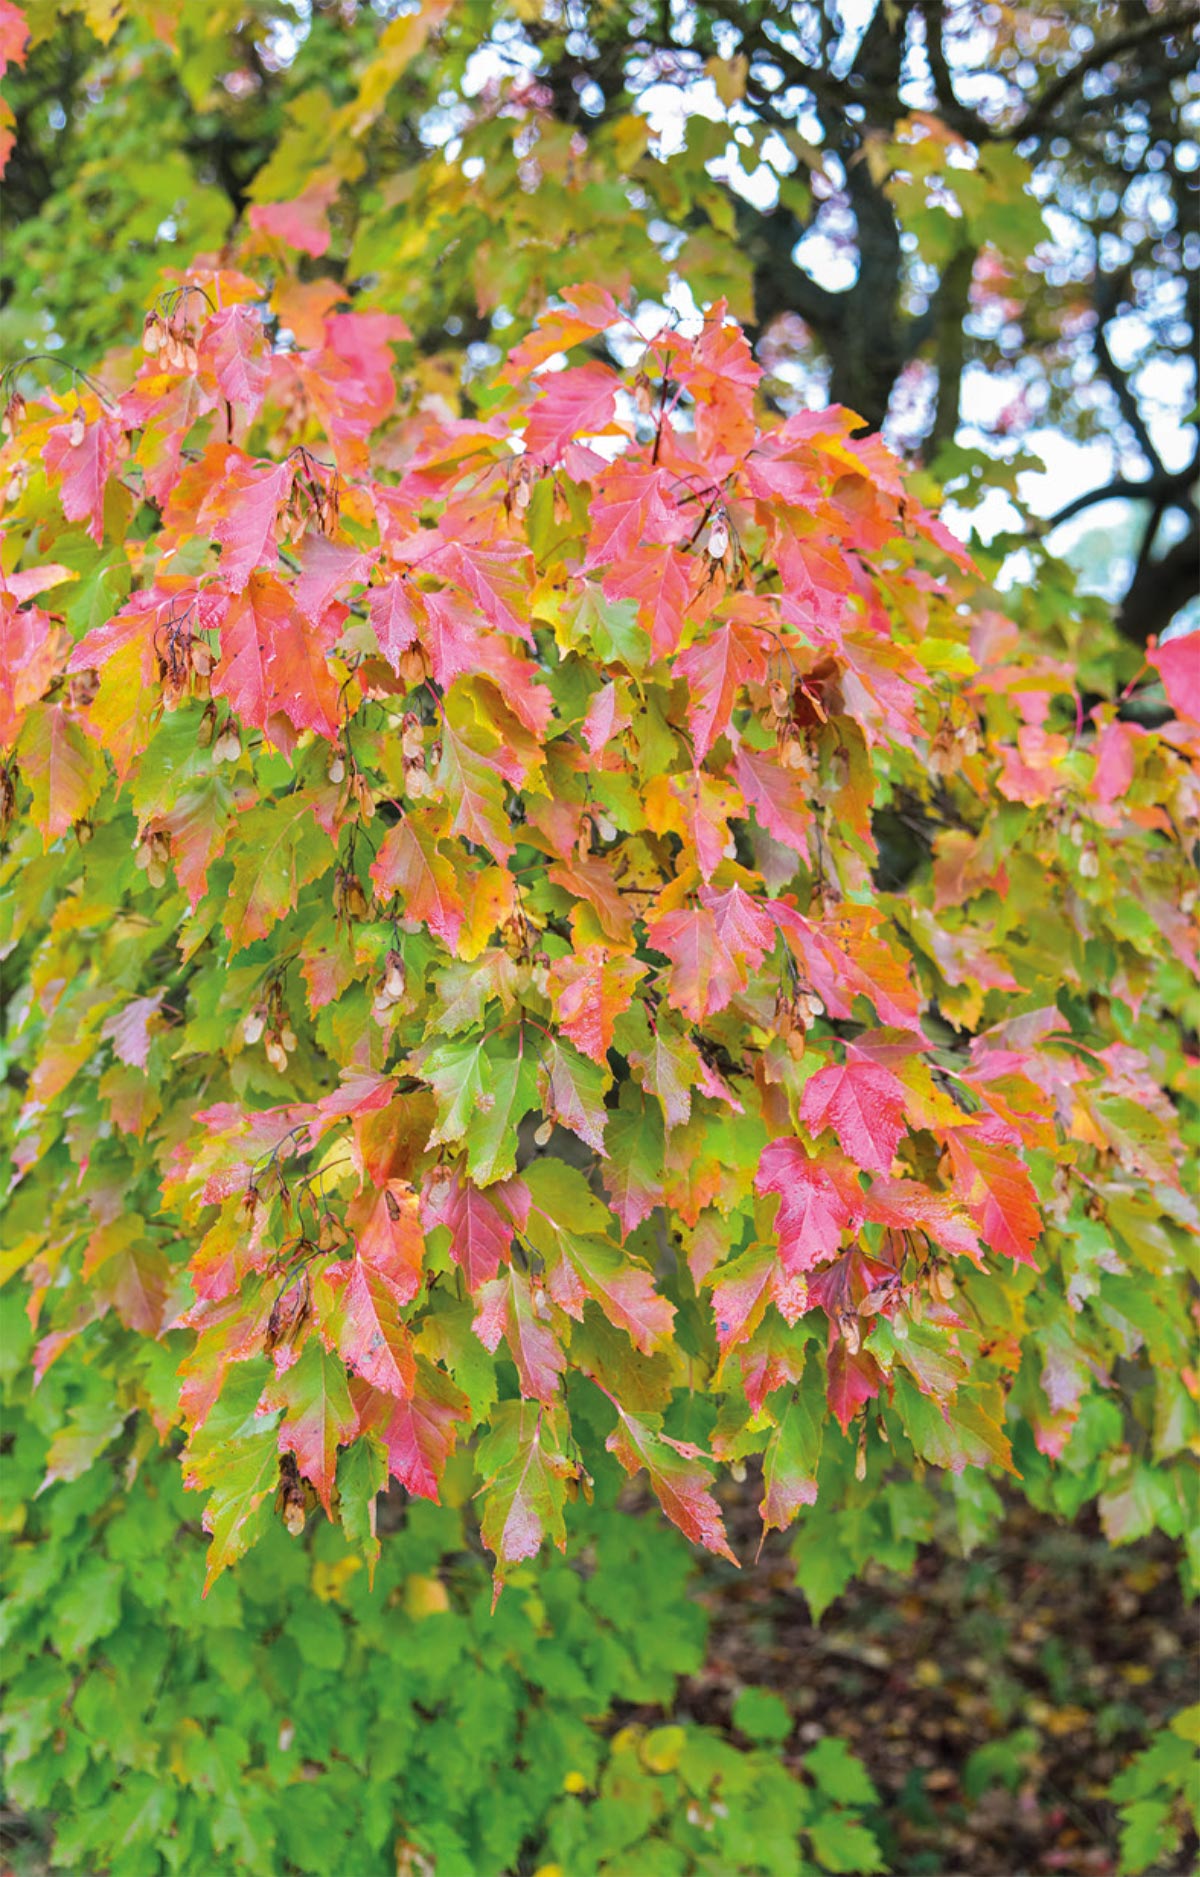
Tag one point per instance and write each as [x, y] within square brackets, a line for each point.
[362, 1473]
[839, 1774]
[761, 1715]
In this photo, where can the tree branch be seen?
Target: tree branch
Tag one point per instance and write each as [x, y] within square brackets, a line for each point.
[949, 314]
[958, 116]
[1165, 491]
[1162, 25]
[1108, 292]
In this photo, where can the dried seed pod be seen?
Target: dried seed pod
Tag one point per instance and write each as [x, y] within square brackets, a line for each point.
[792, 753]
[941, 1283]
[413, 665]
[289, 1313]
[393, 975]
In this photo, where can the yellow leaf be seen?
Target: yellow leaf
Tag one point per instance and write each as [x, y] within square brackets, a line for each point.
[425, 1596]
[729, 77]
[489, 903]
[329, 1580]
[662, 1749]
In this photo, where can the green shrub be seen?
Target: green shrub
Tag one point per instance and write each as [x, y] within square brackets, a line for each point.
[300, 1719]
[1159, 1795]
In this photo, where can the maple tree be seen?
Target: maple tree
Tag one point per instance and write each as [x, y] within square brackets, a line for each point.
[457, 994]
[558, 929]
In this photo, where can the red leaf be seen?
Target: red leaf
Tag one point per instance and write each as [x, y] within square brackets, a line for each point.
[395, 620]
[233, 350]
[589, 990]
[14, 36]
[657, 578]
[418, 1433]
[574, 403]
[906, 1205]
[851, 1380]
[318, 1415]
[273, 665]
[387, 1227]
[864, 1104]
[711, 948]
[496, 574]
[1178, 665]
[480, 1233]
[680, 1484]
[745, 929]
[29, 658]
[777, 796]
[604, 719]
[716, 669]
[369, 1332]
[638, 506]
[411, 863]
[993, 1184]
[506, 1308]
[594, 1267]
[302, 222]
[815, 1204]
[325, 567]
[586, 310]
[82, 458]
[240, 512]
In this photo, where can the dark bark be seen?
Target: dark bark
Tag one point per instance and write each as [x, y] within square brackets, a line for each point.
[1159, 588]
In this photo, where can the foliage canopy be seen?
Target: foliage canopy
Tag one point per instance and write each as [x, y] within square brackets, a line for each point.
[447, 884]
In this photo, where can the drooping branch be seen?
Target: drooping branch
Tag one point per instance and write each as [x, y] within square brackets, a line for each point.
[1162, 492]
